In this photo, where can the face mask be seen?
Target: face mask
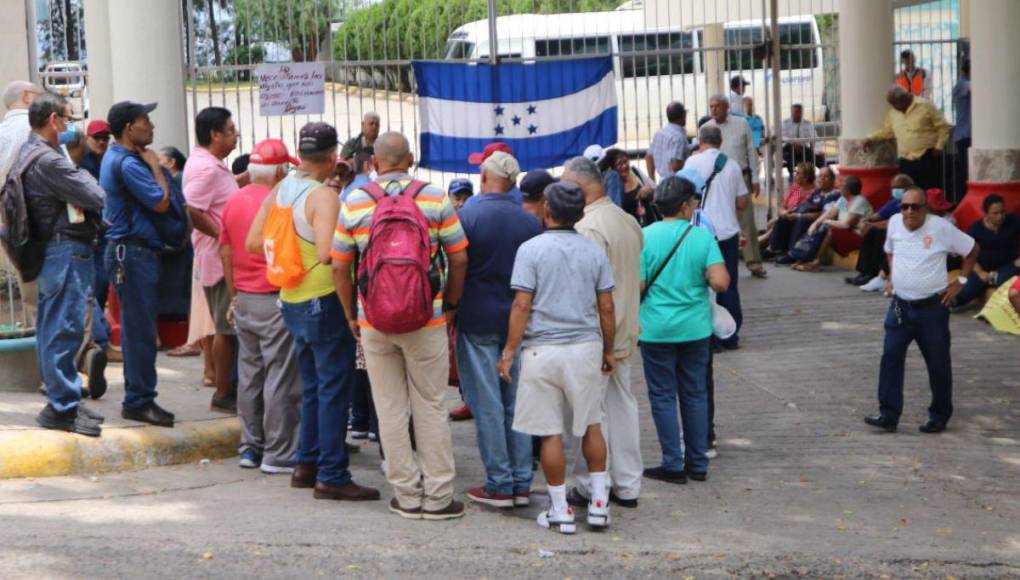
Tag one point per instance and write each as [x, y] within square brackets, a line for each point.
[897, 193]
[66, 136]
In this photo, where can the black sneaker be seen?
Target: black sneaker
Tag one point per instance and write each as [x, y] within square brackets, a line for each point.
[667, 475]
[95, 369]
[576, 499]
[70, 420]
[89, 413]
[627, 503]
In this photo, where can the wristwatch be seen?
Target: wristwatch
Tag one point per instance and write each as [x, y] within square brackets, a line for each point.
[962, 280]
[448, 306]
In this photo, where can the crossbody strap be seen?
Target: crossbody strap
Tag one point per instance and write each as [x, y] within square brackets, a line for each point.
[655, 276]
[720, 164]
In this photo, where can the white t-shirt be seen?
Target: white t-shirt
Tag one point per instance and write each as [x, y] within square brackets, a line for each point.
[720, 202]
[919, 256]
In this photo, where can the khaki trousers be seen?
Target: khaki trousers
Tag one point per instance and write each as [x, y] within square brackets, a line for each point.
[752, 251]
[409, 374]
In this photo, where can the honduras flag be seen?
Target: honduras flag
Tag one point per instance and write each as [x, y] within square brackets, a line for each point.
[547, 112]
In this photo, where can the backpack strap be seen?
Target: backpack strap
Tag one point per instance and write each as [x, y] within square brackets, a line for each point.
[374, 190]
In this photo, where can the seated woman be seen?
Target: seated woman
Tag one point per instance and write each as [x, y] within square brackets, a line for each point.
[997, 235]
[795, 224]
[840, 223]
[629, 187]
[796, 196]
[872, 265]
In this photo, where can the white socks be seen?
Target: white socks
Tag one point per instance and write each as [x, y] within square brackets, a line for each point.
[599, 489]
[558, 495]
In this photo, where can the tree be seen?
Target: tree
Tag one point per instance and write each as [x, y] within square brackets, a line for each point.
[300, 24]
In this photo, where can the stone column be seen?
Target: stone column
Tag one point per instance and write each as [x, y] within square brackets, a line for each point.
[995, 84]
[14, 36]
[866, 72]
[136, 53]
[715, 61]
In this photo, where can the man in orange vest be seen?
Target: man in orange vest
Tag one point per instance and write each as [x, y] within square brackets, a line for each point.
[913, 79]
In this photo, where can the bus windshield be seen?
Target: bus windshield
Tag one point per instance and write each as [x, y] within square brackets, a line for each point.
[456, 49]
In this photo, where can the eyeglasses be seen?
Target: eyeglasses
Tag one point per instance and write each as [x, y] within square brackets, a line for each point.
[912, 206]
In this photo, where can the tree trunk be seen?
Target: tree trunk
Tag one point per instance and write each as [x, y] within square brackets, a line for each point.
[72, 46]
[214, 31]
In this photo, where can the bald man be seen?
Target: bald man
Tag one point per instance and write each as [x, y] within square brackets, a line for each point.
[363, 142]
[14, 132]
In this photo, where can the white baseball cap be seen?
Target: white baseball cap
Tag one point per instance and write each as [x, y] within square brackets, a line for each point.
[595, 152]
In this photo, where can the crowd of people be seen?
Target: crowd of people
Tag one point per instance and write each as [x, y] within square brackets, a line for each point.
[328, 290]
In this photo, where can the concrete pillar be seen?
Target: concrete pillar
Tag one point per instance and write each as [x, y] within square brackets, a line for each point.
[715, 60]
[866, 68]
[136, 53]
[995, 82]
[14, 65]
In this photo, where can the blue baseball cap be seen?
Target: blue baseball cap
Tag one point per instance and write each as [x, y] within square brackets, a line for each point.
[460, 185]
[695, 178]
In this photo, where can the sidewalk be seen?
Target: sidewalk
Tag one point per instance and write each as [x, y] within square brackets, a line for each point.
[28, 451]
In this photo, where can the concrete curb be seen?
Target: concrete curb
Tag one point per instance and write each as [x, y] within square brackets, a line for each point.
[43, 453]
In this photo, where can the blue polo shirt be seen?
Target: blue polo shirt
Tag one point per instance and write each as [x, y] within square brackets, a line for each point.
[891, 208]
[127, 191]
[495, 226]
[515, 195]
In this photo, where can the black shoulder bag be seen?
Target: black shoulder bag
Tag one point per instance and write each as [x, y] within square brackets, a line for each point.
[655, 276]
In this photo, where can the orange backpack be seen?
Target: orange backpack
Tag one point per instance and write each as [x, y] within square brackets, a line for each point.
[281, 245]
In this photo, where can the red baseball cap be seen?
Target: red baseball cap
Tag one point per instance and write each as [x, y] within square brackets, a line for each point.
[478, 158]
[271, 152]
[96, 127]
[937, 199]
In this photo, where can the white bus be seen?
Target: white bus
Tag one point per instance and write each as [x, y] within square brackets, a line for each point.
[658, 65]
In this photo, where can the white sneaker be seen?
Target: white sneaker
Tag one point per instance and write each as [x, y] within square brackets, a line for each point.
[275, 469]
[562, 522]
[598, 513]
[712, 453]
[874, 285]
[382, 466]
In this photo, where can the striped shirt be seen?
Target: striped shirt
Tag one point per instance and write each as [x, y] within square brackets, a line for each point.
[356, 213]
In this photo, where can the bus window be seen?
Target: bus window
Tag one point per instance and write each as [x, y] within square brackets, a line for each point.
[572, 46]
[459, 49]
[796, 58]
[747, 37]
[636, 65]
[742, 58]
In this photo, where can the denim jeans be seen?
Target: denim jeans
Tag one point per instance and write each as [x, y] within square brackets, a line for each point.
[134, 270]
[65, 284]
[100, 290]
[678, 371]
[325, 351]
[975, 287]
[505, 453]
[730, 299]
[929, 325]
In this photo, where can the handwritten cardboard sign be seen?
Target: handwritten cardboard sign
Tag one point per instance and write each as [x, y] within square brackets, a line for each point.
[291, 88]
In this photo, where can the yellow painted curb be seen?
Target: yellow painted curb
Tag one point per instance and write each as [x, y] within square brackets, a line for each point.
[44, 453]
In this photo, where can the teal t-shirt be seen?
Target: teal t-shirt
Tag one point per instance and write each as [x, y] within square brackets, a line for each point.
[677, 308]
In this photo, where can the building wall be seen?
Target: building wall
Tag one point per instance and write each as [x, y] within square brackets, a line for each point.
[14, 40]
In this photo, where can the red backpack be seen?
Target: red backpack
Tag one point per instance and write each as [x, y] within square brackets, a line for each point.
[394, 281]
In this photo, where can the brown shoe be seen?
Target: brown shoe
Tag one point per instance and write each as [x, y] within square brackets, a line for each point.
[451, 512]
[347, 492]
[304, 475]
[411, 514]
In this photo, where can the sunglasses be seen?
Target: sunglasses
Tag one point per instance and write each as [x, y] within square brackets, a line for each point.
[912, 206]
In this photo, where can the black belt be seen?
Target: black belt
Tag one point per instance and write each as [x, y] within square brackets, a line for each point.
[59, 237]
[134, 242]
[923, 302]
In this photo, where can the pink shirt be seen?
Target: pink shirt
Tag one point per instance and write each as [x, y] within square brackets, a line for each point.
[208, 184]
[240, 211]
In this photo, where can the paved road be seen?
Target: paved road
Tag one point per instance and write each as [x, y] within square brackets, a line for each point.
[801, 487]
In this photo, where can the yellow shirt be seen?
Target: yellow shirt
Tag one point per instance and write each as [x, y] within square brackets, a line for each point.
[920, 128]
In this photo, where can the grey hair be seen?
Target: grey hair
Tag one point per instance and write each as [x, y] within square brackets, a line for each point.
[14, 89]
[904, 179]
[896, 92]
[672, 193]
[371, 115]
[710, 135]
[721, 98]
[584, 170]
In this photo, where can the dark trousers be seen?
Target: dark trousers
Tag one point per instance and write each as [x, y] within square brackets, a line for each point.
[786, 233]
[730, 299]
[791, 158]
[363, 417]
[928, 324]
[136, 279]
[975, 287]
[926, 171]
[872, 259]
[962, 169]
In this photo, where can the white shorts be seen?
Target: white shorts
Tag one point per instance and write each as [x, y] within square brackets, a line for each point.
[560, 381]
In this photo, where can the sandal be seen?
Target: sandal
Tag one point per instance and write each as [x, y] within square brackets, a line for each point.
[807, 267]
[185, 350]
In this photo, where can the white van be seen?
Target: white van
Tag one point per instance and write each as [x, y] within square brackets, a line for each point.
[656, 66]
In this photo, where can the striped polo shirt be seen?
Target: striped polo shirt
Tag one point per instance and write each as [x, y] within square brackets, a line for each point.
[356, 212]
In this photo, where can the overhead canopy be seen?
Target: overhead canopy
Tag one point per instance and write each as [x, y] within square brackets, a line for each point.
[694, 13]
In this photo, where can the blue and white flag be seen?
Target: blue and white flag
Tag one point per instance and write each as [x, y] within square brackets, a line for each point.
[547, 112]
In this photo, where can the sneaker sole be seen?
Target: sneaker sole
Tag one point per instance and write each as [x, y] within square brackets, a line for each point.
[441, 517]
[275, 469]
[70, 429]
[499, 503]
[247, 464]
[359, 434]
[599, 522]
[522, 501]
[567, 529]
[404, 514]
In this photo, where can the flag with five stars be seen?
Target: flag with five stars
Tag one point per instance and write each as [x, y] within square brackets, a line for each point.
[546, 111]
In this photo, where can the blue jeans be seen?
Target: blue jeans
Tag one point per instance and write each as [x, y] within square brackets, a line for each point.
[100, 290]
[678, 371]
[65, 284]
[730, 299]
[136, 268]
[505, 453]
[325, 351]
[975, 287]
[929, 326]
